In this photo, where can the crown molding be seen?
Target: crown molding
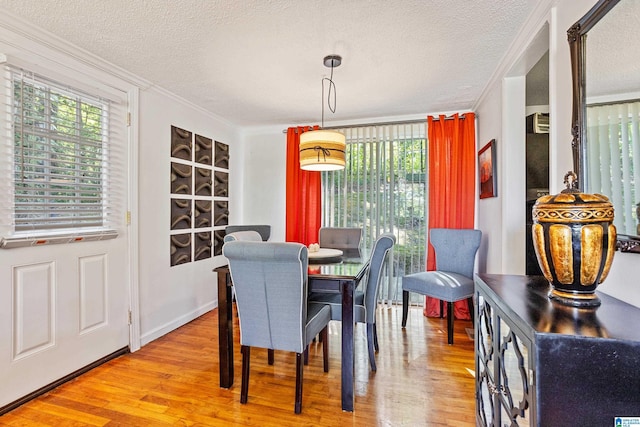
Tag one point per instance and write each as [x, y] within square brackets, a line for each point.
[31, 43]
[528, 32]
[28, 38]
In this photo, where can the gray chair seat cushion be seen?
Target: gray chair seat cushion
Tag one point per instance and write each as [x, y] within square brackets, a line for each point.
[439, 284]
[318, 315]
[334, 300]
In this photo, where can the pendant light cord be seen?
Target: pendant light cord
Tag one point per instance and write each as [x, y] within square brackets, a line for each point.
[332, 87]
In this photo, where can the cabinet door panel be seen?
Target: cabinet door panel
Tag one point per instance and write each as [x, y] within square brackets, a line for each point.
[514, 389]
[485, 382]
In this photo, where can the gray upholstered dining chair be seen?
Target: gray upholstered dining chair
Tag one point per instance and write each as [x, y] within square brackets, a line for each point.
[244, 236]
[263, 230]
[271, 284]
[452, 280]
[340, 237]
[247, 235]
[365, 300]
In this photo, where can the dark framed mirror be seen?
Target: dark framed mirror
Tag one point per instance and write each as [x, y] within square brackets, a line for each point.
[605, 66]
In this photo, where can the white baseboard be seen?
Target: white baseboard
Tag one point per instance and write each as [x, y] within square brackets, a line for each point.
[176, 323]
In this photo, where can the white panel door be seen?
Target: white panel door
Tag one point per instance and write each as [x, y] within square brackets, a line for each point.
[62, 307]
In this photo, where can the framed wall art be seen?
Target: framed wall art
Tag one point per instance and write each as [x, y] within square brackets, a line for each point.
[487, 169]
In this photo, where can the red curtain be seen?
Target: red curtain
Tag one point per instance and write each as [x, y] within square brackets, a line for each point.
[304, 191]
[452, 183]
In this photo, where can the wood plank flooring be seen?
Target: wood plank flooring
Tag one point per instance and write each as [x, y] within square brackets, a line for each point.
[174, 381]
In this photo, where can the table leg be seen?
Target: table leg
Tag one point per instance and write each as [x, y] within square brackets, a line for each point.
[347, 287]
[225, 328]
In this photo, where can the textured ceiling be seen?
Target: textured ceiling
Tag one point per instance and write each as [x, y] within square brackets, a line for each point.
[259, 62]
[613, 49]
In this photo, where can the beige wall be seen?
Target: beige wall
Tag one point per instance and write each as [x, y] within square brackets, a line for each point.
[264, 179]
[172, 296]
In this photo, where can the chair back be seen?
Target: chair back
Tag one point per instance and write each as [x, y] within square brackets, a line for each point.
[263, 230]
[244, 236]
[340, 237]
[270, 281]
[456, 249]
[381, 248]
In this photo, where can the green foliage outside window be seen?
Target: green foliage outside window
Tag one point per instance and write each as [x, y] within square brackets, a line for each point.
[383, 189]
[59, 158]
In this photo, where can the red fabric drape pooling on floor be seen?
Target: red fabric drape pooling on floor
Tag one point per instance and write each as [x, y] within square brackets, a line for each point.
[452, 181]
[303, 194]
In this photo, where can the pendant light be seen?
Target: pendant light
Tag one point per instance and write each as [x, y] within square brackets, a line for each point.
[323, 150]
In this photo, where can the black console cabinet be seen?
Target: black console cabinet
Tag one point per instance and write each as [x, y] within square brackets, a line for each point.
[540, 363]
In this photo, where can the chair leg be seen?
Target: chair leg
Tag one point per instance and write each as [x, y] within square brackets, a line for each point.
[375, 338]
[325, 348]
[372, 356]
[441, 309]
[299, 370]
[405, 307]
[471, 308]
[306, 355]
[244, 388]
[270, 356]
[450, 322]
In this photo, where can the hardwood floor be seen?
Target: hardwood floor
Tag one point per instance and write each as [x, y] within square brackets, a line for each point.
[174, 381]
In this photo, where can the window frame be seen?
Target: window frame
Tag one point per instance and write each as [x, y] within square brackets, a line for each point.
[110, 162]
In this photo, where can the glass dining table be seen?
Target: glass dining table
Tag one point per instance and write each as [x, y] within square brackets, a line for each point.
[339, 275]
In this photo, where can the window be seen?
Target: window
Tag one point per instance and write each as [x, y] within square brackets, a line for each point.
[62, 160]
[613, 135]
[383, 189]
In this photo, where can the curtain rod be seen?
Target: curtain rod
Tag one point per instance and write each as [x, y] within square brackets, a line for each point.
[401, 122]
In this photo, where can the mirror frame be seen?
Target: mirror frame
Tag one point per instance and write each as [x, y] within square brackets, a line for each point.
[577, 35]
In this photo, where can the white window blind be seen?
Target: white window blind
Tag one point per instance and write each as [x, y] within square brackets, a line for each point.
[613, 135]
[66, 159]
[383, 189]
